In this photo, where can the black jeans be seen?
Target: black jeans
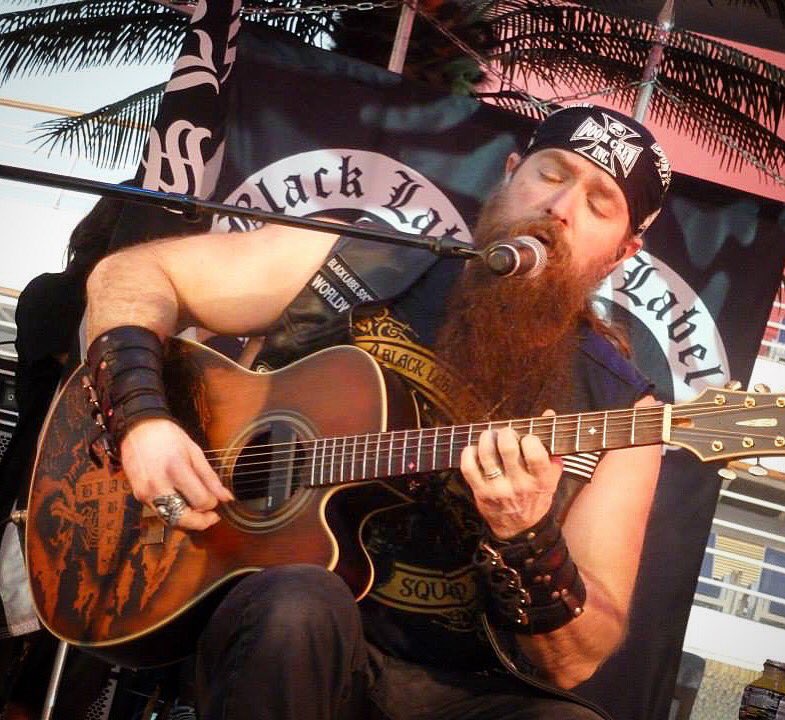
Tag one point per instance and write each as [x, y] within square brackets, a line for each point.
[287, 644]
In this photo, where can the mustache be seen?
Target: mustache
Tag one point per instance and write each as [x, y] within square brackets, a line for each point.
[550, 232]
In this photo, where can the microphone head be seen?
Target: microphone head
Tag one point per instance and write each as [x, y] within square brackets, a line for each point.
[539, 251]
[523, 255]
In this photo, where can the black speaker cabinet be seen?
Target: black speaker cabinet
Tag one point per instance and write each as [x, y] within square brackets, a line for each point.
[8, 407]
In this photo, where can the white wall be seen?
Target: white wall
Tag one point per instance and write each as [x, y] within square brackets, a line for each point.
[37, 221]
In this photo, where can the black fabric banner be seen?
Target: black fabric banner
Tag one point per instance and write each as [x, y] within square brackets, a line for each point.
[309, 132]
[696, 302]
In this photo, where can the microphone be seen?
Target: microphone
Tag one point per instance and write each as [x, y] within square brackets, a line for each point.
[523, 255]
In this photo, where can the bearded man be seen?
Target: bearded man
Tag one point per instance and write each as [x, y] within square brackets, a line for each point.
[497, 589]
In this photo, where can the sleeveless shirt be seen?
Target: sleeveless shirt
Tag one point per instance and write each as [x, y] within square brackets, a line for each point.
[424, 604]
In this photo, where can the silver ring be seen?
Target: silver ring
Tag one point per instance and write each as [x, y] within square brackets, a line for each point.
[493, 474]
[170, 508]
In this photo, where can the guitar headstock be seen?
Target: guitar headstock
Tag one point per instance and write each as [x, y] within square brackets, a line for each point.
[727, 423]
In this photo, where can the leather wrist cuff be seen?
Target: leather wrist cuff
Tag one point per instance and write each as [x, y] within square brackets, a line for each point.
[125, 364]
[531, 584]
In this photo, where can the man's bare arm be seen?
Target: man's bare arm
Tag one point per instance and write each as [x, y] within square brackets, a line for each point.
[236, 283]
[604, 531]
[231, 283]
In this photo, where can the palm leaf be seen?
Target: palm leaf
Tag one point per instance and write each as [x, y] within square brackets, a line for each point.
[707, 88]
[716, 86]
[769, 7]
[114, 134]
[88, 33]
[110, 136]
[311, 28]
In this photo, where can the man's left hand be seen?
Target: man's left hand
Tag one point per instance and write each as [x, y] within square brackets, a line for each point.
[512, 479]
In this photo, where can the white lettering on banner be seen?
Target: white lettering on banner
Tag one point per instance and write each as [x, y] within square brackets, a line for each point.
[231, 42]
[318, 181]
[183, 77]
[676, 317]
[199, 11]
[180, 134]
[332, 296]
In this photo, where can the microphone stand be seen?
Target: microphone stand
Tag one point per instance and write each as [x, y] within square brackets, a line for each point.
[193, 209]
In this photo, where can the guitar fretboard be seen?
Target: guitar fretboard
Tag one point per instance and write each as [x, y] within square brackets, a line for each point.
[337, 460]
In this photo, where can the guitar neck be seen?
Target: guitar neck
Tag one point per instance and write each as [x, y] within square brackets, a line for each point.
[339, 460]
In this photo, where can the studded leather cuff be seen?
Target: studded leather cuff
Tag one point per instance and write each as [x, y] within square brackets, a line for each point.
[125, 365]
[531, 584]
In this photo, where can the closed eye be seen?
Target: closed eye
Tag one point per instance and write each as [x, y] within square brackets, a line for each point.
[550, 176]
[599, 208]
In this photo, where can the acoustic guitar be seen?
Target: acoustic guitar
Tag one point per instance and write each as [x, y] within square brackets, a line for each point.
[310, 454]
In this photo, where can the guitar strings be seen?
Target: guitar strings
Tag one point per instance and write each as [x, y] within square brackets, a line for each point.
[280, 478]
[393, 458]
[324, 468]
[564, 425]
[372, 442]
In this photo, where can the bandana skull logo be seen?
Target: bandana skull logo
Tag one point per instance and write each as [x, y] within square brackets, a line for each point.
[608, 145]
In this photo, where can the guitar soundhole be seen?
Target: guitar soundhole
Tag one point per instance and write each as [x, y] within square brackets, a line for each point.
[269, 473]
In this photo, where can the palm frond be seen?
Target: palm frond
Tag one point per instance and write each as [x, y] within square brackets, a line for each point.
[110, 136]
[769, 7]
[718, 131]
[431, 56]
[88, 33]
[309, 27]
[719, 86]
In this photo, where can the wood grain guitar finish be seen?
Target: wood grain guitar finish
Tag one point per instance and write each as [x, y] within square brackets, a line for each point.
[310, 454]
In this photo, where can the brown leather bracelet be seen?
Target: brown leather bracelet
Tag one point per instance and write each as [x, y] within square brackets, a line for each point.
[125, 364]
[531, 584]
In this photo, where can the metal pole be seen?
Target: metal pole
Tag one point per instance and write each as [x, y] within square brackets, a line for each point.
[402, 37]
[664, 26]
[193, 208]
[54, 680]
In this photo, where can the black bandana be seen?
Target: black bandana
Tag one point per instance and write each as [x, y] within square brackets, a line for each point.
[621, 146]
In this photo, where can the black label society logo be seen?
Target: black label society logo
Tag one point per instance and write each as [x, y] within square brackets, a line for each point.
[608, 146]
[676, 318]
[332, 179]
[338, 179]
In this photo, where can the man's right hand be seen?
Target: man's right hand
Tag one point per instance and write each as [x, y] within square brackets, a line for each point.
[159, 458]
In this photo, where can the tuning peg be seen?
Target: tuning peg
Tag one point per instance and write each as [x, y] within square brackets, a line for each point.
[758, 469]
[733, 385]
[761, 388]
[726, 474]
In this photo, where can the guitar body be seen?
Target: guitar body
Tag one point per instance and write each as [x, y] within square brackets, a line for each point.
[108, 575]
[303, 450]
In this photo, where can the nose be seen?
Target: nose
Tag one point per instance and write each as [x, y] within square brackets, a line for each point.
[560, 205]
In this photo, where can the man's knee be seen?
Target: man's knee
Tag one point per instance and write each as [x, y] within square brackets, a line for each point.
[573, 711]
[291, 604]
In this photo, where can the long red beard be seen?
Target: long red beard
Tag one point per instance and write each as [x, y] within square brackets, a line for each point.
[512, 339]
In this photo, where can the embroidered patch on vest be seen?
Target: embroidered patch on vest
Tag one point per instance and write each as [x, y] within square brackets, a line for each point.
[338, 287]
